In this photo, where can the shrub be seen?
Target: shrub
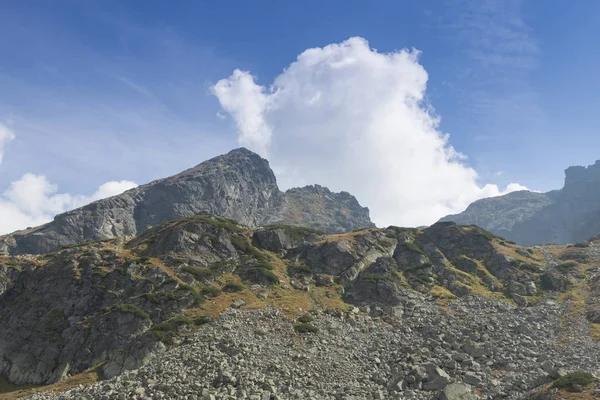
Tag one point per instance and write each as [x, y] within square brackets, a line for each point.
[530, 251]
[305, 328]
[199, 273]
[268, 275]
[305, 319]
[201, 320]
[531, 267]
[210, 291]
[390, 235]
[579, 378]
[128, 308]
[566, 266]
[299, 269]
[266, 265]
[296, 232]
[582, 245]
[232, 287]
[166, 330]
[412, 247]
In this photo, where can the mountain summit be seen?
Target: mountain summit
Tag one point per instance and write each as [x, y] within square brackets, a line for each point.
[238, 185]
[568, 215]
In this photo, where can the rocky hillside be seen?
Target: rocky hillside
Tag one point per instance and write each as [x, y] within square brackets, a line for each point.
[238, 185]
[569, 215]
[209, 308]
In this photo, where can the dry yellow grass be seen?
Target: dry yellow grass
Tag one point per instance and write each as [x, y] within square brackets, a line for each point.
[85, 378]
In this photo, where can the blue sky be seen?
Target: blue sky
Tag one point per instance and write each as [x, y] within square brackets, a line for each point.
[102, 91]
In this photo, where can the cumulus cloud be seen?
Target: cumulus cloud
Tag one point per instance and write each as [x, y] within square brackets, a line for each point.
[33, 200]
[352, 118]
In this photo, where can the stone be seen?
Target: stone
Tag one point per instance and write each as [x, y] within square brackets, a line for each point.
[237, 303]
[458, 391]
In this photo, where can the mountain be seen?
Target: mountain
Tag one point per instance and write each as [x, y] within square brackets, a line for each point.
[204, 307]
[238, 185]
[568, 215]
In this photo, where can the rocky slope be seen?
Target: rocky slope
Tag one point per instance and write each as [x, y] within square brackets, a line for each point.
[209, 308]
[569, 215]
[238, 185]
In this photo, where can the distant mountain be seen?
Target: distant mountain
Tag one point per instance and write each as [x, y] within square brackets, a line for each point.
[569, 215]
[238, 185]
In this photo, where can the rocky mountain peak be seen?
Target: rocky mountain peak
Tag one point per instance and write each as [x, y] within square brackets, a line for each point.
[568, 215]
[238, 185]
[580, 174]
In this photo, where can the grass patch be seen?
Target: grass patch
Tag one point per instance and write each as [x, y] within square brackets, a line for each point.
[165, 331]
[567, 266]
[267, 275]
[305, 319]
[203, 320]
[569, 381]
[128, 309]
[305, 328]
[440, 292]
[410, 246]
[200, 273]
[299, 269]
[231, 287]
[298, 233]
[210, 291]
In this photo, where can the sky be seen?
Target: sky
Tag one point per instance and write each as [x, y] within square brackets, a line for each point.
[416, 108]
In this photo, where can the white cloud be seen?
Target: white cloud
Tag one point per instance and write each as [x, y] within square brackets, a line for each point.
[354, 119]
[33, 200]
[6, 136]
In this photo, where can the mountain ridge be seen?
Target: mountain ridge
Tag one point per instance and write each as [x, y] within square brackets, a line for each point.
[238, 185]
[567, 215]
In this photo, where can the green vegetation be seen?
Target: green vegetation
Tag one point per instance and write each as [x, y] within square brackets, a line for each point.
[210, 291]
[299, 269]
[151, 297]
[200, 273]
[297, 232]
[581, 245]
[305, 319]
[567, 266]
[165, 331]
[265, 265]
[201, 320]
[412, 247]
[267, 275]
[127, 308]
[305, 328]
[577, 378]
[231, 287]
[390, 235]
[198, 298]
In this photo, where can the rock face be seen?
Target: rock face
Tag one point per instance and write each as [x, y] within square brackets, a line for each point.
[238, 185]
[569, 215]
[317, 207]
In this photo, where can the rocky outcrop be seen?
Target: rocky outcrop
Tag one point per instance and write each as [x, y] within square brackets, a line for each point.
[317, 207]
[238, 185]
[569, 215]
[435, 306]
